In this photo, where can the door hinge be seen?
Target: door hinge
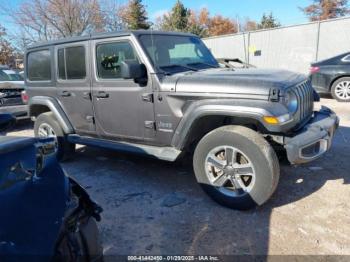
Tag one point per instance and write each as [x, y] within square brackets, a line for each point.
[150, 124]
[90, 119]
[275, 94]
[147, 98]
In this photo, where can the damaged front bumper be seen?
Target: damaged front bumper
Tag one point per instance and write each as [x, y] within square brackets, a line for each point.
[314, 139]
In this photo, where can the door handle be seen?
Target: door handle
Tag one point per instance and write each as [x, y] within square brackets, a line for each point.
[65, 93]
[102, 94]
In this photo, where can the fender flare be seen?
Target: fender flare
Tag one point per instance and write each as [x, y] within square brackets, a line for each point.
[197, 112]
[55, 108]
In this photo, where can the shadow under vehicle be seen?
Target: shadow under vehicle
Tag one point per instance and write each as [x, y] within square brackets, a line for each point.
[44, 214]
[332, 76]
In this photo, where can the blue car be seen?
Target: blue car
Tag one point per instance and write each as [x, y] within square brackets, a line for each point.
[44, 214]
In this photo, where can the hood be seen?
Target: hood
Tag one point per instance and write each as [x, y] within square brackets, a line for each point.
[12, 85]
[237, 81]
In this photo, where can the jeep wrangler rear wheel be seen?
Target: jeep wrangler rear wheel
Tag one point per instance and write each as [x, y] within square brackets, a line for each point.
[237, 167]
[46, 125]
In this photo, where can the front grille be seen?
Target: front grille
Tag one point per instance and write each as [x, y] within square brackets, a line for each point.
[305, 95]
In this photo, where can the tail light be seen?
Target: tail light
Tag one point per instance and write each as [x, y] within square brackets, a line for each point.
[25, 97]
[314, 69]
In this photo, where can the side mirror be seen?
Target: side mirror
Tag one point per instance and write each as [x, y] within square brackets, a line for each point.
[133, 70]
[6, 121]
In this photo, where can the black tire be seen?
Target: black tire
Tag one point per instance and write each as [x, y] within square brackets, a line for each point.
[65, 150]
[84, 245]
[260, 154]
[334, 86]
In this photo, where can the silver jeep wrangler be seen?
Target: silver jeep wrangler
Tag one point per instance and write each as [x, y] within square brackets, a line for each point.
[164, 95]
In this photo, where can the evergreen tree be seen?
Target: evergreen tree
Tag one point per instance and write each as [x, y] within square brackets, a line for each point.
[268, 21]
[177, 19]
[135, 15]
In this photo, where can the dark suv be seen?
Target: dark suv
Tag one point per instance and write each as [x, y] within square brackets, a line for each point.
[11, 94]
[164, 94]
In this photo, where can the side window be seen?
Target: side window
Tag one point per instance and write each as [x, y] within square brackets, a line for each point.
[39, 66]
[109, 56]
[71, 63]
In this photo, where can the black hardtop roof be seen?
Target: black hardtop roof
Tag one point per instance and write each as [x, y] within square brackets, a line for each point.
[103, 35]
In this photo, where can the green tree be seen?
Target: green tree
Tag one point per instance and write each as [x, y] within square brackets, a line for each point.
[268, 21]
[177, 19]
[326, 9]
[135, 15]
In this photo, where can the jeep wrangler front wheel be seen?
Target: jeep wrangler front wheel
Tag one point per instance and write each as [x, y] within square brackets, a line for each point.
[237, 167]
[46, 125]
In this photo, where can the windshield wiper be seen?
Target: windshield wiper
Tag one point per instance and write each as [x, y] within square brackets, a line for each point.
[203, 63]
[179, 65]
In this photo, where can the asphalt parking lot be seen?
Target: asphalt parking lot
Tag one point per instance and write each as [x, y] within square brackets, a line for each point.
[154, 207]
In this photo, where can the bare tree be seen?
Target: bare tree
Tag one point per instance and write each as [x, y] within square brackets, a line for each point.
[326, 9]
[6, 49]
[249, 25]
[50, 19]
[112, 13]
[220, 25]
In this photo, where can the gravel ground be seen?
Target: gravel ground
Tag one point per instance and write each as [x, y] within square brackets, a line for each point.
[154, 207]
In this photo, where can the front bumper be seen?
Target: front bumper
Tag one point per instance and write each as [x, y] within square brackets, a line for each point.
[19, 111]
[314, 139]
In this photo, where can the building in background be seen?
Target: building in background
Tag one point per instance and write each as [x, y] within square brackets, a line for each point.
[291, 47]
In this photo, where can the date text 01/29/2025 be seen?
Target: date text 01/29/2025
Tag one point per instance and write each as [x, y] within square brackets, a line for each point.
[173, 258]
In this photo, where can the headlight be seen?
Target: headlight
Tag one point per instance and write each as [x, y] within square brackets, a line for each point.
[291, 101]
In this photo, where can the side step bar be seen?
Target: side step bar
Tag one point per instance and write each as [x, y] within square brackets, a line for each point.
[163, 153]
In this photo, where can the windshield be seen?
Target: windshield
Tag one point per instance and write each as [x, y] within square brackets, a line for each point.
[10, 75]
[173, 54]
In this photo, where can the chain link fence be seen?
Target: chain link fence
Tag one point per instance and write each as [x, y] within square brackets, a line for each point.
[290, 47]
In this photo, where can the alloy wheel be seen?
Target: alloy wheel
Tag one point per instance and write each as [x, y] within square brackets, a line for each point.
[230, 171]
[45, 131]
[342, 90]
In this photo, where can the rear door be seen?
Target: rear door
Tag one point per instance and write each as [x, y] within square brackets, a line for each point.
[74, 85]
[123, 109]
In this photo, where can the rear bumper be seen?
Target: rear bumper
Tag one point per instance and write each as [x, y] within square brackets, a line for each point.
[20, 111]
[314, 140]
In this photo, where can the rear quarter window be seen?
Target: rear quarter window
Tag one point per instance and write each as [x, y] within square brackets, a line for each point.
[39, 65]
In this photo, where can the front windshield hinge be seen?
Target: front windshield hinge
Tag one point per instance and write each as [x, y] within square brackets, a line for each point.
[274, 94]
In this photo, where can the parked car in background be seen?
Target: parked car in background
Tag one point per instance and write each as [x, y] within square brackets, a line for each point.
[9, 75]
[44, 214]
[11, 88]
[332, 76]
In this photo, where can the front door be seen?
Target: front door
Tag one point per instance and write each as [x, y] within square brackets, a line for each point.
[123, 109]
[73, 85]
